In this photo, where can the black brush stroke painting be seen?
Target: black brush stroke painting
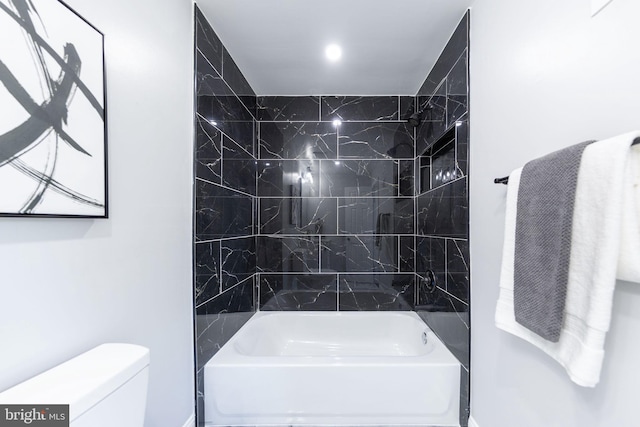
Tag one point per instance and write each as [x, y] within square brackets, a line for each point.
[53, 121]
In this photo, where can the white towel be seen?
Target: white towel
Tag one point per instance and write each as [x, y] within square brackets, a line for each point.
[629, 259]
[607, 174]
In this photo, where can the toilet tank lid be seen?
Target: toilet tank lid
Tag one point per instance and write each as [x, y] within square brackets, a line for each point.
[83, 381]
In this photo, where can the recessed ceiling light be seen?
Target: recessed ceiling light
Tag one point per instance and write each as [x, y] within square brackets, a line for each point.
[333, 52]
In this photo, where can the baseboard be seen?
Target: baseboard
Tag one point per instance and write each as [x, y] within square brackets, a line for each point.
[472, 422]
[191, 421]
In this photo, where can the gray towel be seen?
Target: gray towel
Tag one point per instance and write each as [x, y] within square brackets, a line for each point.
[543, 240]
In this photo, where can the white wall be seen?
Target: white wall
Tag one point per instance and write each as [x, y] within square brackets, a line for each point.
[70, 284]
[545, 75]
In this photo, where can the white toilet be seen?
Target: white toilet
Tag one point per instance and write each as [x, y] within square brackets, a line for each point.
[104, 387]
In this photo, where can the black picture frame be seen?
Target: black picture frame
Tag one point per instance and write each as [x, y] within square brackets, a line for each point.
[53, 145]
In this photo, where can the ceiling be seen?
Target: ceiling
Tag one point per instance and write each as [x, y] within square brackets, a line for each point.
[388, 46]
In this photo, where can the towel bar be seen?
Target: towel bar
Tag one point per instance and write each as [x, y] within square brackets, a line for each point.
[505, 179]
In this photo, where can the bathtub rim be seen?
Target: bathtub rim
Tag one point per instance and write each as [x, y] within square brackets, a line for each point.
[229, 356]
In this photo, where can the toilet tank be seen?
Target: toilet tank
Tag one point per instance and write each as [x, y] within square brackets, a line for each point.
[104, 387]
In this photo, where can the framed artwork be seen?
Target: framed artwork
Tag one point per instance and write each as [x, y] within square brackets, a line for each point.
[53, 144]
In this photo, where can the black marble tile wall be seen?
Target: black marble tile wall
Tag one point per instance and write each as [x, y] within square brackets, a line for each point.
[216, 323]
[289, 215]
[207, 271]
[449, 319]
[458, 42]
[239, 174]
[238, 83]
[366, 140]
[238, 260]
[407, 252]
[462, 146]
[407, 107]
[360, 253]
[378, 216]
[288, 178]
[208, 151]
[339, 199]
[231, 117]
[288, 254]
[208, 81]
[442, 201]
[360, 108]
[376, 292]
[213, 331]
[406, 184]
[336, 203]
[458, 269]
[359, 178]
[207, 41]
[221, 212]
[444, 211]
[457, 93]
[289, 108]
[310, 292]
[298, 140]
[434, 122]
[431, 255]
[225, 198]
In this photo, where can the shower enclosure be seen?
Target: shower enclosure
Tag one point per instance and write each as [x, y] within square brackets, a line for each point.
[330, 203]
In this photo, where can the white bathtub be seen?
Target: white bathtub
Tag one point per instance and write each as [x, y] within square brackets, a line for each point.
[329, 368]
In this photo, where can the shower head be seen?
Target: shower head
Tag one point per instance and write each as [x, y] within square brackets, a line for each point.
[416, 118]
